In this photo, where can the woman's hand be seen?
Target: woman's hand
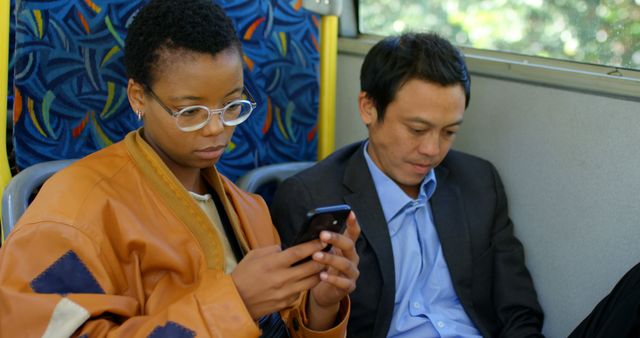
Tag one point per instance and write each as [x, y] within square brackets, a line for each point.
[267, 282]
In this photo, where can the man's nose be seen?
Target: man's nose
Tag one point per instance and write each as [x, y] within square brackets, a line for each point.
[430, 145]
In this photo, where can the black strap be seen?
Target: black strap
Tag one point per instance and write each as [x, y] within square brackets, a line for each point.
[226, 224]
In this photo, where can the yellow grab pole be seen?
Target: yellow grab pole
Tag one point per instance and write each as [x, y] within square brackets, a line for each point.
[5, 173]
[328, 65]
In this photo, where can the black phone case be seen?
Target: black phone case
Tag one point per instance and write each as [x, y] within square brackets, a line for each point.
[331, 218]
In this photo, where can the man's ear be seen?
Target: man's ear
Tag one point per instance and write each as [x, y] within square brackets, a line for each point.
[367, 109]
[135, 93]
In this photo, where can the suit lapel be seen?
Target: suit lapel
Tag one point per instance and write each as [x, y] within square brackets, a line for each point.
[448, 212]
[366, 205]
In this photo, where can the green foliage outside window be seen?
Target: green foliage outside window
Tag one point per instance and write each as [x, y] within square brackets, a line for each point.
[600, 32]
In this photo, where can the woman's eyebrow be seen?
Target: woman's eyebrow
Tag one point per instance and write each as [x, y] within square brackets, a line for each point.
[185, 98]
[235, 91]
[199, 98]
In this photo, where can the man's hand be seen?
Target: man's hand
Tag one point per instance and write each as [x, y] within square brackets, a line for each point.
[340, 277]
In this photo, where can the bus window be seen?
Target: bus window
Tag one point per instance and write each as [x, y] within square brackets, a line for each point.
[606, 34]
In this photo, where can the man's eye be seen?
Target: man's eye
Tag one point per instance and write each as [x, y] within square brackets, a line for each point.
[416, 130]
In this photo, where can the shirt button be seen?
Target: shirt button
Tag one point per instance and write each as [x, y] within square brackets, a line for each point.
[440, 324]
[416, 305]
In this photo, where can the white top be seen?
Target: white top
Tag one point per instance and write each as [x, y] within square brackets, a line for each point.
[209, 207]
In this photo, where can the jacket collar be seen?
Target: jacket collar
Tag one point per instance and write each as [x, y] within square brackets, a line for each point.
[364, 201]
[449, 216]
[177, 198]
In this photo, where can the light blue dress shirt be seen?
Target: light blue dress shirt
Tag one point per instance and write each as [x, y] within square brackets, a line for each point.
[426, 304]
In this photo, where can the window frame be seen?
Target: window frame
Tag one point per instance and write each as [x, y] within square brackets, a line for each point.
[562, 74]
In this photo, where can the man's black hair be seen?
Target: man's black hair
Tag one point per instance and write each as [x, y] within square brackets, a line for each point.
[172, 25]
[397, 59]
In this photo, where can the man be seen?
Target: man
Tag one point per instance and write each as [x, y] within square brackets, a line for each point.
[438, 257]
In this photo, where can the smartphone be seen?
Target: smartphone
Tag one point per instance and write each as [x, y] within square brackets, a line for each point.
[331, 218]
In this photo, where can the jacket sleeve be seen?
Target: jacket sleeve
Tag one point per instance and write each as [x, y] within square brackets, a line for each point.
[515, 298]
[297, 320]
[55, 282]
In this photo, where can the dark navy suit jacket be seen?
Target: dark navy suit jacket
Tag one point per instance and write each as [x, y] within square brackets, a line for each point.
[469, 206]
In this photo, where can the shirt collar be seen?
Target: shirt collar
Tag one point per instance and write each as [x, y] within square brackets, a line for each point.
[391, 196]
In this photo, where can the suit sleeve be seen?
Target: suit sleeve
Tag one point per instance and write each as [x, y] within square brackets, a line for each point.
[55, 282]
[515, 298]
[290, 205]
[288, 211]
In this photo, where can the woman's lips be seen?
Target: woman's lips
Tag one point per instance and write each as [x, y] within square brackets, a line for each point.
[211, 153]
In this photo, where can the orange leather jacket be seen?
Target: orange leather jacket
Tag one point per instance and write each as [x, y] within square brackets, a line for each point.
[115, 246]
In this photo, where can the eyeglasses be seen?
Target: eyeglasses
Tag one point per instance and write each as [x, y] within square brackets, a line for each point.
[193, 118]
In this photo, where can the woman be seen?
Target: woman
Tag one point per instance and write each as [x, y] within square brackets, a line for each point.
[145, 238]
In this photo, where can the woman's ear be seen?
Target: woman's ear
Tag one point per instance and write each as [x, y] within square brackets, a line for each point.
[135, 93]
[367, 109]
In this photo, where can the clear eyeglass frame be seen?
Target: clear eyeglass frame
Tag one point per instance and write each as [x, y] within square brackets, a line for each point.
[185, 123]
